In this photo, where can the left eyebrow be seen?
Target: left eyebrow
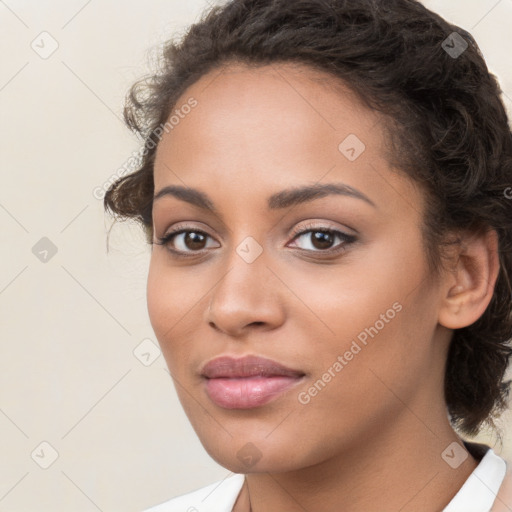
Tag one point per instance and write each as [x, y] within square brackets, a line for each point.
[280, 200]
[294, 196]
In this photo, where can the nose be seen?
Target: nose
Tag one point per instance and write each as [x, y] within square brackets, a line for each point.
[249, 296]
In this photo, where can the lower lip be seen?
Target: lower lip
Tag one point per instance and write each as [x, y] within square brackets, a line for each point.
[247, 392]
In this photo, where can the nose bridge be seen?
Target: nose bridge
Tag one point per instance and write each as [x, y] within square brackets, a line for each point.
[246, 270]
[247, 292]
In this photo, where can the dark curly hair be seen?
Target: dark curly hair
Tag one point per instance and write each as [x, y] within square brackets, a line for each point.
[445, 122]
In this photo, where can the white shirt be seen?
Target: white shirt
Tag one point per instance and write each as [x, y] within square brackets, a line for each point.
[477, 494]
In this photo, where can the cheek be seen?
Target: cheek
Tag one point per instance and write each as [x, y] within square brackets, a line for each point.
[159, 296]
[173, 291]
[379, 316]
[170, 299]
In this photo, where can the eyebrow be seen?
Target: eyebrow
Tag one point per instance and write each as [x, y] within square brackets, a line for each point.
[277, 201]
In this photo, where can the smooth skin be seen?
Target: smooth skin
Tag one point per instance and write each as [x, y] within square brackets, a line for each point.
[372, 438]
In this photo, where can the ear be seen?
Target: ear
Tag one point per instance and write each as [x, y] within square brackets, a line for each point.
[468, 288]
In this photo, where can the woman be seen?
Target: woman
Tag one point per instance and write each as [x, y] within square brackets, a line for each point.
[324, 185]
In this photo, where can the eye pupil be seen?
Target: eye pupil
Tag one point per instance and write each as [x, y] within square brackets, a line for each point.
[193, 237]
[323, 238]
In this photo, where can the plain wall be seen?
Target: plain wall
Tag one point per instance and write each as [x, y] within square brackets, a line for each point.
[69, 325]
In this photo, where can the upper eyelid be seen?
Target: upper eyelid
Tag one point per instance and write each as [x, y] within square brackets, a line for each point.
[311, 226]
[296, 233]
[278, 202]
[179, 228]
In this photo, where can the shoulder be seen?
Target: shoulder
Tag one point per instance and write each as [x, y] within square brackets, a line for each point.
[503, 501]
[217, 497]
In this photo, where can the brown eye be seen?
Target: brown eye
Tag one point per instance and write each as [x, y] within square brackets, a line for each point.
[322, 240]
[194, 241]
[185, 242]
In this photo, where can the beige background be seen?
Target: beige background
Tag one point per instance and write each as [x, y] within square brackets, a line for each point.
[69, 326]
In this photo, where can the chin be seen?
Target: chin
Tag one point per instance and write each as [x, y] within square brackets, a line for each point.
[253, 453]
[267, 464]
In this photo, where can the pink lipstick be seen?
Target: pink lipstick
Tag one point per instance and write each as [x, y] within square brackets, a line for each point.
[247, 382]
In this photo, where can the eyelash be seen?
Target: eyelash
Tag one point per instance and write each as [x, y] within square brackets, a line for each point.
[339, 249]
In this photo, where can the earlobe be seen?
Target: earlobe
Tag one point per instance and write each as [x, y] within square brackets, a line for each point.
[467, 290]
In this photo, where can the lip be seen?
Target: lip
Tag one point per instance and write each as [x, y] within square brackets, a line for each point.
[247, 382]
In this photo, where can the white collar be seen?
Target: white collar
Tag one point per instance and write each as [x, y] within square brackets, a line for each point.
[479, 491]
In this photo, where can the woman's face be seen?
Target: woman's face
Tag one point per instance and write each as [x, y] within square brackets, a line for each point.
[333, 286]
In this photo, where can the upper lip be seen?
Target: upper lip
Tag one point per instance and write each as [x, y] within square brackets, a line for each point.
[247, 366]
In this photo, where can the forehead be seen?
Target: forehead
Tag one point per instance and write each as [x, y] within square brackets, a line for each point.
[254, 105]
[264, 128]
[283, 92]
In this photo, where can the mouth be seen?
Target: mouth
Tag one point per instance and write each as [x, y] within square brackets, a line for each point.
[247, 382]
